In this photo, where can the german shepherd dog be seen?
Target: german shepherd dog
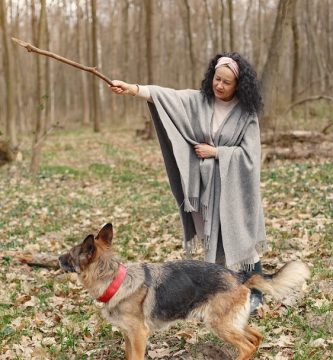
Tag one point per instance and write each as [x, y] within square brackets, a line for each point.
[144, 297]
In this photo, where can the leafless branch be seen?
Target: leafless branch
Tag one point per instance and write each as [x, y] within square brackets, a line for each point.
[325, 129]
[31, 48]
[43, 138]
[310, 98]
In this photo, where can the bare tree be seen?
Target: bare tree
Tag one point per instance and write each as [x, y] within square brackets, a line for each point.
[21, 120]
[257, 44]
[231, 25]
[80, 52]
[222, 24]
[246, 31]
[169, 47]
[213, 34]
[329, 44]
[124, 48]
[311, 25]
[295, 64]
[271, 69]
[149, 28]
[48, 86]
[190, 43]
[41, 89]
[95, 102]
[8, 73]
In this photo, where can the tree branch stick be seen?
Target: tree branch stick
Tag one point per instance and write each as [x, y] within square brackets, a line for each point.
[31, 48]
[311, 98]
[40, 260]
[44, 136]
[330, 124]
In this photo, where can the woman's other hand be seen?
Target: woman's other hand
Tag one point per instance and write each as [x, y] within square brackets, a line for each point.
[122, 88]
[204, 151]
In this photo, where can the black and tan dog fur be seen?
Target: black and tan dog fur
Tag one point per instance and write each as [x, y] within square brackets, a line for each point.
[154, 295]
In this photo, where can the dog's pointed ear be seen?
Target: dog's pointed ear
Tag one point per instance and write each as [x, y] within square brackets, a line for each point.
[106, 234]
[88, 246]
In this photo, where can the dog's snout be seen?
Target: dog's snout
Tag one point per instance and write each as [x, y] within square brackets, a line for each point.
[61, 260]
[65, 264]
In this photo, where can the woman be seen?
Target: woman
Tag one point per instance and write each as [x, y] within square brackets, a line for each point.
[210, 142]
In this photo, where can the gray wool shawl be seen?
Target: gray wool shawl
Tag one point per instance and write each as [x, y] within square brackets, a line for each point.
[225, 192]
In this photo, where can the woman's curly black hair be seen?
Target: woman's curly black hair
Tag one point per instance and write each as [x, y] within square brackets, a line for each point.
[247, 91]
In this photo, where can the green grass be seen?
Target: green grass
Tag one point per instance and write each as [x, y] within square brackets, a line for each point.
[86, 180]
[49, 171]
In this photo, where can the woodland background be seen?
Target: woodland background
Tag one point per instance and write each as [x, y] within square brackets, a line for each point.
[168, 43]
[94, 161]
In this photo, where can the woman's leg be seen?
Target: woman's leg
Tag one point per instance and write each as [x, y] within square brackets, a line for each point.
[220, 256]
[257, 267]
[256, 298]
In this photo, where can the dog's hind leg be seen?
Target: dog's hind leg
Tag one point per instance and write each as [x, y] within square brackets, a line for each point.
[235, 337]
[227, 316]
[253, 335]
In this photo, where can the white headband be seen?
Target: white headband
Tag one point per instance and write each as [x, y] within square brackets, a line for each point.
[230, 63]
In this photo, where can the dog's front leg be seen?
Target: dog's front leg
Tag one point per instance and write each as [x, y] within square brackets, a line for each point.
[128, 349]
[135, 342]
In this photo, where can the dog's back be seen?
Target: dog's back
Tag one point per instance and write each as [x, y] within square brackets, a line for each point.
[177, 288]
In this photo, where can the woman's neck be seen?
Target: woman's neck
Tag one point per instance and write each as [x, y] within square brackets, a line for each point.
[226, 102]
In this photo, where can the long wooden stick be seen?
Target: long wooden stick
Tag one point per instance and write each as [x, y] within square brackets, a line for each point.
[31, 48]
[40, 260]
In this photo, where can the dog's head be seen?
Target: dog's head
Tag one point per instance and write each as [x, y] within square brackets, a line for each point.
[80, 257]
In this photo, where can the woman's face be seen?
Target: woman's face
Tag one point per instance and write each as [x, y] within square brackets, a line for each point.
[224, 83]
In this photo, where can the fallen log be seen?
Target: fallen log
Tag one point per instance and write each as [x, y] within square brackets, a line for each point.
[43, 260]
[287, 138]
[296, 153]
[293, 145]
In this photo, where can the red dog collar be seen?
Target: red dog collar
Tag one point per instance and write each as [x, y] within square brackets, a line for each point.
[115, 285]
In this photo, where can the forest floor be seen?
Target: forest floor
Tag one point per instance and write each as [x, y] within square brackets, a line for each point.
[88, 179]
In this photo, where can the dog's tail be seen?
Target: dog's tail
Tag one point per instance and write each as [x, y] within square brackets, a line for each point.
[291, 276]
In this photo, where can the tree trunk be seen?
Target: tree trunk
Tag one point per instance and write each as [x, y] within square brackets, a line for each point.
[270, 73]
[213, 35]
[18, 79]
[149, 39]
[258, 40]
[222, 42]
[11, 131]
[124, 52]
[95, 102]
[329, 45]
[247, 32]
[295, 64]
[317, 55]
[189, 34]
[231, 26]
[48, 85]
[84, 80]
[41, 99]
[149, 54]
